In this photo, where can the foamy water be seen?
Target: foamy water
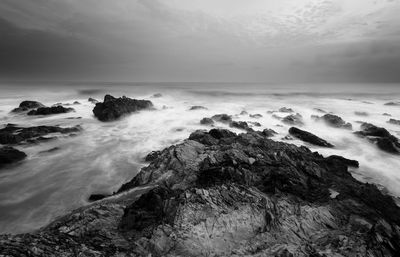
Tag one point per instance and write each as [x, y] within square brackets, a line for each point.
[105, 155]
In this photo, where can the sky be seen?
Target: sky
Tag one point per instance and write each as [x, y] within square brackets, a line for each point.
[296, 41]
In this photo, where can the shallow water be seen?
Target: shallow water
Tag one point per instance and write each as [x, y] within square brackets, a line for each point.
[105, 155]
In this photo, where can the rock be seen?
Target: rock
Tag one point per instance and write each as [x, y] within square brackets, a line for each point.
[50, 110]
[320, 110]
[113, 108]
[361, 113]
[234, 195]
[254, 123]
[13, 134]
[206, 121]
[157, 95]
[287, 110]
[27, 105]
[9, 155]
[394, 121]
[92, 100]
[97, 197]
[224, 118]
[292, 119]
[243, 113]
[255, 116]
[76, 103]
[393, 104]
[240, 125]
[152, 156]
[383, 139]
[335, 121]
[269, 132]
[386, 114]
[197, 107]
[308, 137]
[340, 159]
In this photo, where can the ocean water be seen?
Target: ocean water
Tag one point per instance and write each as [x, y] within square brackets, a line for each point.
[105, 155]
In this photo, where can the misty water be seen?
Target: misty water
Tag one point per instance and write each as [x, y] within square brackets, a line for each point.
[104, 155]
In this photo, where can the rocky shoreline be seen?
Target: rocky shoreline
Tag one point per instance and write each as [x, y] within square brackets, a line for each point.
[224, 194]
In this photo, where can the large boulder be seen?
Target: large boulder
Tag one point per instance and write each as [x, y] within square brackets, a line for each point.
[293, 119]
[308, 137]
[58, 109]
[113, 108]
[9, 155]
[28, 105]
[335, 121]
[380, 136]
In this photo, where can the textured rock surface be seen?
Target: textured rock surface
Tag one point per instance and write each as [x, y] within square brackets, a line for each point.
[206, 121]
[380, 136]
[28, 105]
[335, 121]
[222, 194]
[9, 155]
[50, 110]
[293, 119]
[308, 137]
[113, 108]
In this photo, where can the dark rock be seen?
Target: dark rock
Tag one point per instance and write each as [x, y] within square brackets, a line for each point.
[243, 113]
[393, 103]
[157, 95]
[292, 119]
[394, 121]
[269, 132]
[255, 116]
[206, 121]
[335, 121]
[152, 156]
[308, 137]
[383, 139]
[348, 162]
[50, 110]
[240, 125]
[197, 107]
[97, 197]
[287, 110]
[12, 134]
[92, 100]
[361, 113]
[320, 110]
[224, 118]
[113, 108]
[386, 114]
[76, 103]
[9, 155]
[254, 123]
[27, 105]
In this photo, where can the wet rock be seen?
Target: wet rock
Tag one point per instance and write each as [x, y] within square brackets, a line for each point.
[50, 110]
[9, 155]
[320, 110]
[293, 119]
[255, 116]
[269, 132]
[394, 121]
[240, 125]
[254, 123]
[28, 105]
[152, 156]
[197, 107]
[224, 118]
[392, 104]
[386, 114]
[206, 121]
[335, 121]
[157, 95]
[308, 137]
[361, 113]
[12, 134]
[113, 108]
[243, 113]
[92, 100]
[286, 110]
[380, 136]
[97, 197]
[340, 159]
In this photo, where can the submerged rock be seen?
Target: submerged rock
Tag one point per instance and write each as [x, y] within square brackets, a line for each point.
[113, 108]
[293, 119]
[28, 105]
[222, 194]
[394, 121]
[224, 118]
[12, 134]
[393, 104]
[361, 113]
[383, 139]
[255, 116]
[50, 110]
[197, 107]
[308, 137]
[386, 114]
[287, 110]
[206, 121]
[9, 155]
[320, 110]
[157, 95]
[92, 100]
[335, 121]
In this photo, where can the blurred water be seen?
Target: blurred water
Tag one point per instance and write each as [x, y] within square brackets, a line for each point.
[105, 155]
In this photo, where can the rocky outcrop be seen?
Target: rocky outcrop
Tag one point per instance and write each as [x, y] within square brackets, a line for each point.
[394, 121]
[308, 137]
[28, 105]
[335, 121]
[206, 121]
[9, 155]
[113, 108]
[223, 194]
[380, 136]
[13, 134]
[293, 119]
[58, 109]
[392, 104]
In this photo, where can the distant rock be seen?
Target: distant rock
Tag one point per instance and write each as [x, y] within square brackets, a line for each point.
[9, 155]
[320, 110]
[383, 139]
[293, 119]
[335, 121]
[13, 134]
[255, 116]
[386, 114]
[392, 104]
[287, 110]
[308, 137]
[28, 105]
[240, 125]
[157, 95]
[197, 107]
[206, 121]
[92, 100]
[223, 118]
[243, 113]
[361, 113]
[394, 121]
[254, 123]
[50, 110]
[113, 108]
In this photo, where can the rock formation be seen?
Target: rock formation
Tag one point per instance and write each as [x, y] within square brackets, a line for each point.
[222, 194]
[383, 139]
[308, 137]
[335, 121]
[293, 119]
[28, 105]
[50, 110]
[9, 155]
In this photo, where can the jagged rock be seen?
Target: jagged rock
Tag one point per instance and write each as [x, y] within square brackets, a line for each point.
[197, 107]
[240, 125]
[12, 134]
[152, 156]
[206, 121]
[393, 104]
[335, 121]
[50, 110]
[255, 116]
[113, 108]
[222, 194]
[9, 155]
[28, 105]
[361, 113]
[383, 139]
[224, 118]
[269, 132]
[292, 119]
[287, 110]
[92, 100]
[394, 121]
[308, 137]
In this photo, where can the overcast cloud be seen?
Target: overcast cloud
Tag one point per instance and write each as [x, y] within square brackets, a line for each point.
[201, 40]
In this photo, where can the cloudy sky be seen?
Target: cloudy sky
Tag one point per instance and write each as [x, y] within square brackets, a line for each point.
[201, 40]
